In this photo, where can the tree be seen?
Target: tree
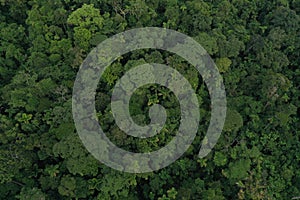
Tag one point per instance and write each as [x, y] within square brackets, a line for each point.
[87, 20]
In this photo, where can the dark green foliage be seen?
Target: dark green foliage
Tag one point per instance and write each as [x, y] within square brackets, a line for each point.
[255, 45]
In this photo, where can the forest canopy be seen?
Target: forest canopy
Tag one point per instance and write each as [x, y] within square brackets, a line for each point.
[255, 45]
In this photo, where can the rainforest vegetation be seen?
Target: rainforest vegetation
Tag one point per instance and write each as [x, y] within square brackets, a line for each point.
[255, 45]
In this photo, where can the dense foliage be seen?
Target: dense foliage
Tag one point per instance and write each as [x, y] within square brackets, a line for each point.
[256, 46]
